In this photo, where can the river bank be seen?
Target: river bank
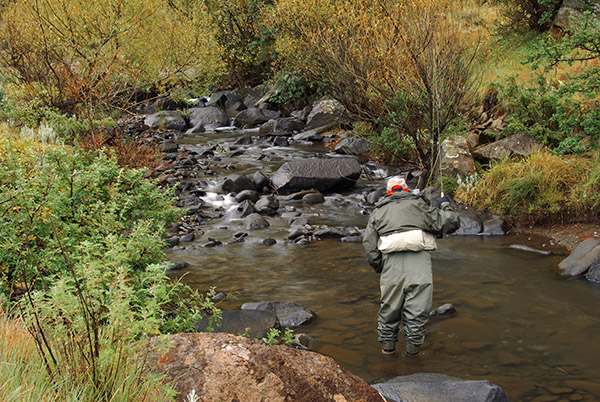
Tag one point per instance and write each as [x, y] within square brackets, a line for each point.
[566, 235]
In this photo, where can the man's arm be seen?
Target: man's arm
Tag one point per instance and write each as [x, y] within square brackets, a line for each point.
[370, 241]
[443, 220]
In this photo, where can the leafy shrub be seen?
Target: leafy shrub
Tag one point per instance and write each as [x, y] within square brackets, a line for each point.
[404, 66]
[246, 44]
[564, 115]
[540, 187]
[536, 15]
[72, 54]
[81, 241]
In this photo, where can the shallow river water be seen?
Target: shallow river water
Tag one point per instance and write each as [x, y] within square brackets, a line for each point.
[517, 323]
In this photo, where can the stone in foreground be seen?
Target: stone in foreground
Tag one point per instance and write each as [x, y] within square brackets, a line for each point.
[324, 175]
[223, 367]
[439, 388]
[581, 259]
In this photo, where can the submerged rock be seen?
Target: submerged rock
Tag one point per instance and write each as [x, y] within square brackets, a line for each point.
[439, 388]
[288, 314]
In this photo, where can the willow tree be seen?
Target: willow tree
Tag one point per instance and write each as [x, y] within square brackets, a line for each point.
[401, 65]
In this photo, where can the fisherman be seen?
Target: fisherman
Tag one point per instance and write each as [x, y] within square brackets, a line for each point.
[400, 234]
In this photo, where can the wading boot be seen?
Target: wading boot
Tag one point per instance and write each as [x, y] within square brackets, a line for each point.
[412, 350]
[388, 348]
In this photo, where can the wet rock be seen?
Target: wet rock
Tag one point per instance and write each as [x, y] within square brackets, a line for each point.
[269, 241]
[302, 341]
[166, 119]
[212, 243]
[439, 388]
[302, 115]
[174, 265]
[352, 239]
[300, 221]
[237, 183]
[261, 182]
[245, 208]
[494, 226]
[456, 157]
[289, 314]
[255, 221]
[251, 117]
[187, 238]
[267, 205]
[224, 367]
[310, 135]
[374, 196]
[281, 125]
[291, 215]
[444, 309]
[173, 241]
[324, 175]
[593, 274]
[245, 139]
[313, 198]
[471, 223]
[581, 259]
[197, 129]
[519, 144]
[281, 142]
[236, 321]
[327, 232]
[327, 112]
[170, 147]
[209, 117]
[298, 231]
[251, 195]
[352, 145]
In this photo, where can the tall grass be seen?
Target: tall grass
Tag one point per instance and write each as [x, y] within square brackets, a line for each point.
[23, 375]
[538, 188]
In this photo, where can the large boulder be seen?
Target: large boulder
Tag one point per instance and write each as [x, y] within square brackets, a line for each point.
[324, 175]
[471, 222]
[325, 113]
[237, 183]
[281, 125]
[572, 10]
[581, 259]
[166, 119]
[439, 388]
[593, 274]
[518, 144]
[224, 367]
[288, 314]
[456, 157]
[251, 117]
[352, 145]
[208, 117]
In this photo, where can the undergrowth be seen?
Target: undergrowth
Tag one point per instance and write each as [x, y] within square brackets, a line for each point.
[538, 188]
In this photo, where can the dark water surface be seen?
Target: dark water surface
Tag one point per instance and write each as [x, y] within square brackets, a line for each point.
[517, 324]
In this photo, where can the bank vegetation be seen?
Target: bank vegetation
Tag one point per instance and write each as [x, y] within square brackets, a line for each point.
[82, 226]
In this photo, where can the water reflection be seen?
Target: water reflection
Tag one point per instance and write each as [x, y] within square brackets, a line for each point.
[517, 325]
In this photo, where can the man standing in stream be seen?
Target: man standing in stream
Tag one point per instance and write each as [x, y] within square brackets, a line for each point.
[400, 234]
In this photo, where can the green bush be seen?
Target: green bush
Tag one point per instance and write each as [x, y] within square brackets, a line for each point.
[536, 15]
[563, 112]
[82, 239]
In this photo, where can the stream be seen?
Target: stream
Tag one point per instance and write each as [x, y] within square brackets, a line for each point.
[517, 323]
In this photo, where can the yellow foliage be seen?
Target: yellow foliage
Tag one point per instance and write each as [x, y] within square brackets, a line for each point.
[82, 50]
